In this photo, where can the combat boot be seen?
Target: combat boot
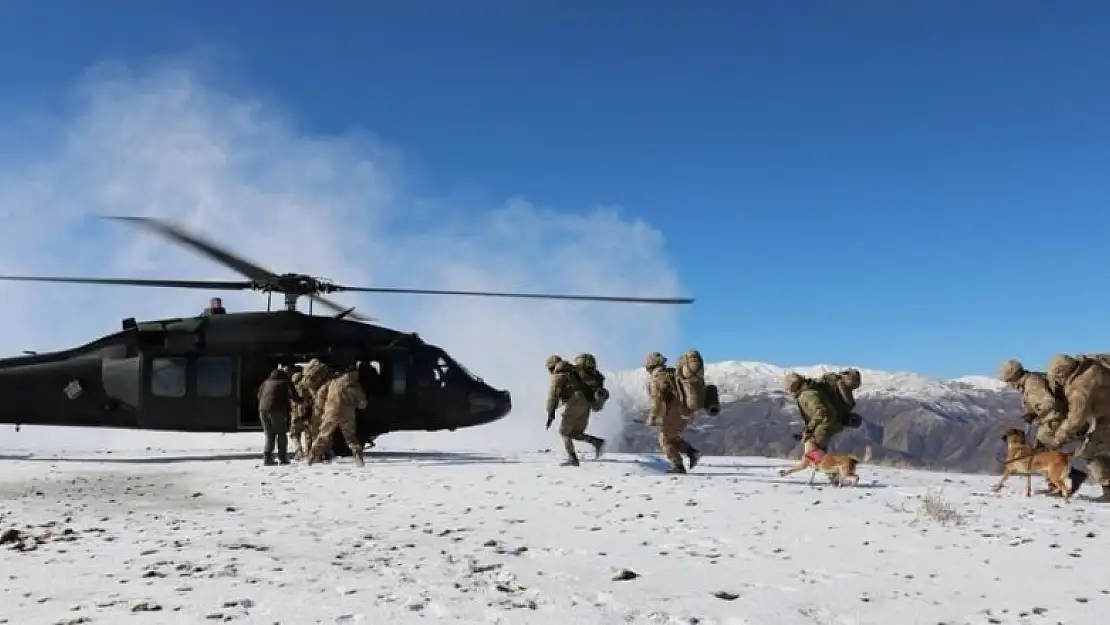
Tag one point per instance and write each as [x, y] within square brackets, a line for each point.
[268, 460]
[358, 459]
[1076, 477]
[599, 445]
[677, 469]
[283, 458]
[570, 462]
[693, 456]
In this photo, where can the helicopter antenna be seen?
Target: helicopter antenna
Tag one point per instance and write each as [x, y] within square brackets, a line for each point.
[294, 286]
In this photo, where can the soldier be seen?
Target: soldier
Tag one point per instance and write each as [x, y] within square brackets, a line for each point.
[297, 413]
[1085, 385]
[306, 419]
[1043, 408]
[818, 412]
[319, 400]
[342, 397]
[274, 397]
[569, 390]
[668, 412]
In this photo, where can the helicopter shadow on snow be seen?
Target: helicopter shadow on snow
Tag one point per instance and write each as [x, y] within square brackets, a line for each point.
[372, 457]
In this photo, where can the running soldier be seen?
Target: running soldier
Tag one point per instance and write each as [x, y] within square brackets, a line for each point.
[567, 389]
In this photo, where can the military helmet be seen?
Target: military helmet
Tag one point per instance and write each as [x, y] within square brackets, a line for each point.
[586, 361]
[653, 360]
[553, 361]
[1010, 371]
[852, 378]
[793, 381]
[1060, 367]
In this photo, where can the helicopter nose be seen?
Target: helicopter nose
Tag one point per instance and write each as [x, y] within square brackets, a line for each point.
[488, 405]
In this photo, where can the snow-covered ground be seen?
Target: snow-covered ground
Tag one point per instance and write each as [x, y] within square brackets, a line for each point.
[176, 537]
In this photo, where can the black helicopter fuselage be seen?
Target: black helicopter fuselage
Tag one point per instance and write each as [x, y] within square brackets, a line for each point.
[201, 374]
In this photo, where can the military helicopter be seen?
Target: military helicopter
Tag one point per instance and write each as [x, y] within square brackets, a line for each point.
[201, 374]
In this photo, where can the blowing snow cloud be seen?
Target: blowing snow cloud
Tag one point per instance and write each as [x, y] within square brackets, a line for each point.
[168, 143]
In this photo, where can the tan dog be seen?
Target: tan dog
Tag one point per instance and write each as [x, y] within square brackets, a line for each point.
[1020, 458]
[843, 465]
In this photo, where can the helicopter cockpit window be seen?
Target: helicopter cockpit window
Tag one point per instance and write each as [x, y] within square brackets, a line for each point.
[215, 376]
[167, 377]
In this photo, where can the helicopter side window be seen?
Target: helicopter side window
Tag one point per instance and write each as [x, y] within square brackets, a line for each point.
[167, 377]
[215, 376]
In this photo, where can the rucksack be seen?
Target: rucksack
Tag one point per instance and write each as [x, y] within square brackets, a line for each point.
[575, 384]
[694, 393]
[828, 386]
[595, 380]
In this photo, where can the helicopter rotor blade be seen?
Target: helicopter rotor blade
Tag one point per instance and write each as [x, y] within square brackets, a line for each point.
[213, 251]
[346, 312]
[552, 296]
[222, 285]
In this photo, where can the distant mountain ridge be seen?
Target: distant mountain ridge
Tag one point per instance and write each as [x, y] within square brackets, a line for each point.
[909, 420]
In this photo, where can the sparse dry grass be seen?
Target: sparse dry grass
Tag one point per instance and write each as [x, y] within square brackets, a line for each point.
[935, 507]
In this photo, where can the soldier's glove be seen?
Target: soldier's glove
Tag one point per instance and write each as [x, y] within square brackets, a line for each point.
[797, 436]
[550, 420]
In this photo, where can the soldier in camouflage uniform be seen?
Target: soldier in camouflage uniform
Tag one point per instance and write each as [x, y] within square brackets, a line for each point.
[667, 411]
[1043, 407]
[340, 397]
[299, 409]
[306, 418]
[1085, 384]
[570, 391]
[819, 413]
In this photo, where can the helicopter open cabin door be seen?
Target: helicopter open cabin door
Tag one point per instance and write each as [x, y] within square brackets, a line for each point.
[191, 393]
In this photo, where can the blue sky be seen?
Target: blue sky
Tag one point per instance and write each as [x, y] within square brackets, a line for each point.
[911, 185]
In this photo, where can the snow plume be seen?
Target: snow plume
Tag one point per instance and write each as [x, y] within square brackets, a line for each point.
[172, 143]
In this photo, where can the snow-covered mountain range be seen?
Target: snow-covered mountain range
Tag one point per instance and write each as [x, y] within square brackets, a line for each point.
[909, 419]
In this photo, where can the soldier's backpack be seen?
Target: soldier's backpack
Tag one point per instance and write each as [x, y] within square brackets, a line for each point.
[596, 381]
[1102, 359]
[694, 393]
[575, 383]
[828, 385]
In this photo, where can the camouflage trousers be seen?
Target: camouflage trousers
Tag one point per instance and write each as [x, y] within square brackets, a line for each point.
[1095, 450]
[573, 424]
[824, 432]
[330, 423]
[671, 442]
[303, 430]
